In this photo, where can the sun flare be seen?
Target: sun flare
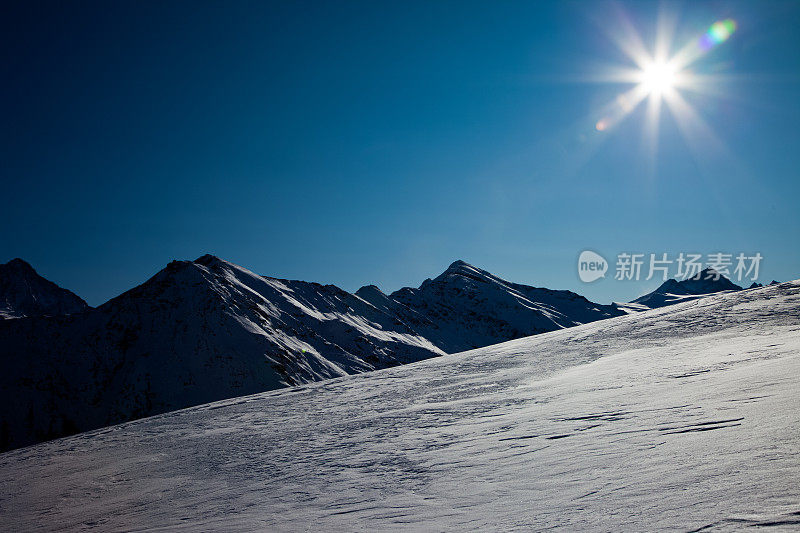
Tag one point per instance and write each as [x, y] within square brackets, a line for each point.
[658, 78]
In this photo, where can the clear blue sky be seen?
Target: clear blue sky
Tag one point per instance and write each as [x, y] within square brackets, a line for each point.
[376, 142]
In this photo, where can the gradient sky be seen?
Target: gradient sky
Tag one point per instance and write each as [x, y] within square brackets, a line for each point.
[376, 142]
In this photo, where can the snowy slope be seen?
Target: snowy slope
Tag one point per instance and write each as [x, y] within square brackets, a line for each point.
[681, 418]
[23, 292]
[466, 307]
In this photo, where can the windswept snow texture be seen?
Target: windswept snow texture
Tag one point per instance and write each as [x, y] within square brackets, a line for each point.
[205, 330]
[673, 291]
[681, 418]
[23, 292]
[466, 307]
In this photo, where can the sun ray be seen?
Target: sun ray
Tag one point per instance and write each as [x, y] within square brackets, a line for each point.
[611, 74]
[666, 24]
[709, 152]
[626, 37]
[616, 111]
[651, 128]
[699, 136]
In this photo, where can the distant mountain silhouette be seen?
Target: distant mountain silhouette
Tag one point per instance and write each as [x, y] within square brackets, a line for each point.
[673, 291]
[23, 293]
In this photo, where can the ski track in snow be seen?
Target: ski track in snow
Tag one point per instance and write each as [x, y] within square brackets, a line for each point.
[681, 418]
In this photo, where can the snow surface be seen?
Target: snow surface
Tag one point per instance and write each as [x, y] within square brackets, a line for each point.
[685, 417]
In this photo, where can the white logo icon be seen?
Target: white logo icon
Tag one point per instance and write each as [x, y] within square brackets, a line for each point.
[591, 266]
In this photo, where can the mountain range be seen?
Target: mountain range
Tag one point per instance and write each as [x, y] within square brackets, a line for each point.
[205, 330]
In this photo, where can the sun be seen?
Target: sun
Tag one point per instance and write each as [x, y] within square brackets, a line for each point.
[660, 75]
[658, 78]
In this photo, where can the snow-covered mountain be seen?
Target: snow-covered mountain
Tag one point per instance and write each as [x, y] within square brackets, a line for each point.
[204, 330]
[195, 332]
[466, 307]
[672, 291]
[683, 418]
[23, 292]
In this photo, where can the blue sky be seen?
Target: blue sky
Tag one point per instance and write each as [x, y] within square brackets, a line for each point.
[376, 142]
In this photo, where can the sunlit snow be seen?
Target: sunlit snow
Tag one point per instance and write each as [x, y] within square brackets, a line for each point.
[683, 417]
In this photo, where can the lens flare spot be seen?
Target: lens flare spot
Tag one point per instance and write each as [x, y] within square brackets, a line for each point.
[718, 33]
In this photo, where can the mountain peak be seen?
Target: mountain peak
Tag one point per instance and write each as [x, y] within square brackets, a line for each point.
[707, 273]
[466, 307]
[462, 267]
[208, 260]
[458, 263]
[23, 292]
[19, 265]
[368, 290]
[460, 272]
[707, 281]
[18, 261]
